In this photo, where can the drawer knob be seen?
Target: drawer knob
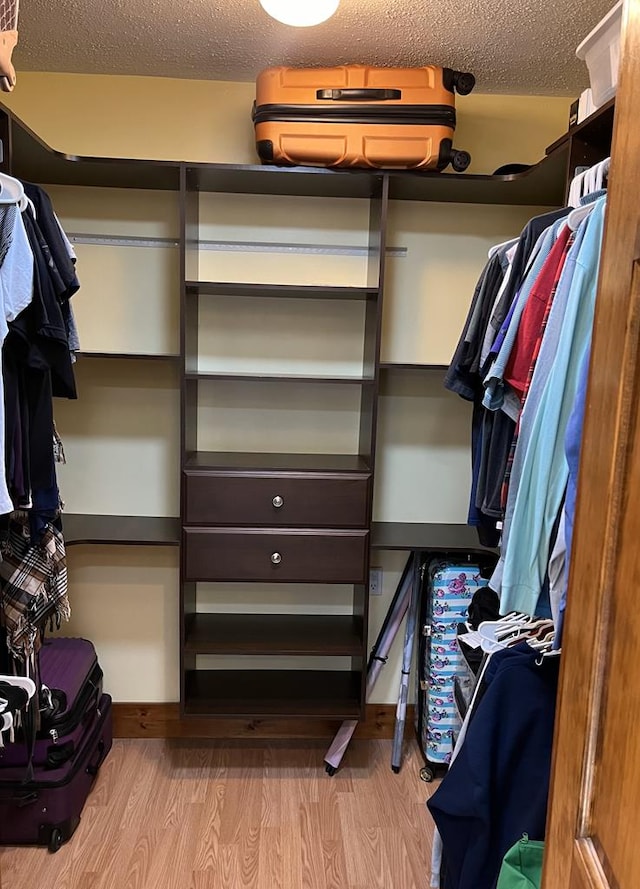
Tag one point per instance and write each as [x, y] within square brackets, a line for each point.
[276, 558]
[277, 501]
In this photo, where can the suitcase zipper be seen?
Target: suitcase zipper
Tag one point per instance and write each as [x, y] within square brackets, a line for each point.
[67, 722]
[409, 115]
[33, 786]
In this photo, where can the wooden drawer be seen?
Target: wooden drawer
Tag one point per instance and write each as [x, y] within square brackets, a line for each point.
[282, 499]
[275, 556]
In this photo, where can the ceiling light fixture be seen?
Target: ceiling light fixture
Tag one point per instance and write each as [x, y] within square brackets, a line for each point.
[300, 13]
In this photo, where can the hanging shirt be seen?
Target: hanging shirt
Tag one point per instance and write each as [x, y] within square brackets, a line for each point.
[519, 363]
[557, 572]
[545, 471]
[489, 337]
[526, 244]
[572, 444]
[16, 290]
[462, 376]
[497, 428]
[61, 257]
[519, 315]
[542, 361]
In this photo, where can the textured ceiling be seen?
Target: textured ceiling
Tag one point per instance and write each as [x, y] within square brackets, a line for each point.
[512, 47]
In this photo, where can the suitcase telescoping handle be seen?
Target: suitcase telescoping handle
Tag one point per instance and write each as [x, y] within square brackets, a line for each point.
[359, 95]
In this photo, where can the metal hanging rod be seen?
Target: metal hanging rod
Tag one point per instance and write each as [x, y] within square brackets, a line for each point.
[231, 246]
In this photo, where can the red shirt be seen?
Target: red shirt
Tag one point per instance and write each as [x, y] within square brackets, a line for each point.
[519, 362]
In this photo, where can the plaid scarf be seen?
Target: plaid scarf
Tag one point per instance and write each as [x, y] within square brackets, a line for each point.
[33, 586]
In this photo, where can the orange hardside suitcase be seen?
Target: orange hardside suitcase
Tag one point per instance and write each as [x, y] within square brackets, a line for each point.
[360, 116]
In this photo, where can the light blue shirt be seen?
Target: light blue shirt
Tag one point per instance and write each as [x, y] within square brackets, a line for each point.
[544, 472]
[544, 364]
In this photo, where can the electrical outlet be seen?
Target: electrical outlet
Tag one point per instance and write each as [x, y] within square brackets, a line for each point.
[375, 581]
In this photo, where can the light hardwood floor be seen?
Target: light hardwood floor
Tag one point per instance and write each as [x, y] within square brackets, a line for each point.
[224, 815]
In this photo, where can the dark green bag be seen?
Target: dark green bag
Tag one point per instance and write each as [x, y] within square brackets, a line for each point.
[522, 865]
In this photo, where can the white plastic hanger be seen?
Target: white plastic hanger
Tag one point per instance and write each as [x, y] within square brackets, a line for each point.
[6, 725]
[494, 633]
[592, 181]
[578, 215]
[575, 190]
[21, 682]
[493, 250]
[12, 191]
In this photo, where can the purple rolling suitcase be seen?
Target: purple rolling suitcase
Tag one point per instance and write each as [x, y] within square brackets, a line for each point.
[44, 808]
[70, 668]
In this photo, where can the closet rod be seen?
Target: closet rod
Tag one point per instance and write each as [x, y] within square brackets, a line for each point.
[231, 246]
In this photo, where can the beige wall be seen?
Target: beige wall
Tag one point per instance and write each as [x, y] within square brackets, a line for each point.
[152, 117]
[122, 436]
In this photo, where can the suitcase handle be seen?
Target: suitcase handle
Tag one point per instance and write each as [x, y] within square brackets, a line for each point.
[94, 768]
[359, 95]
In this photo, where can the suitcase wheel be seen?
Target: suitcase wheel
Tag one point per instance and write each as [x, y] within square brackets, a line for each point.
[460, 160]
[55, 840]
[464, 82]
[427, 775]
[330, 770]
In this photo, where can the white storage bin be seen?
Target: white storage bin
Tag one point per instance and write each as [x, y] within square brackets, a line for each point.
[601, 51]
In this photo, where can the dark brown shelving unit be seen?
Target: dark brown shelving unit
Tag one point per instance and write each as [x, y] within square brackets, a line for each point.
[270, 533]
[120, 530]
[585, 144]
[27, 156]
[541, 185]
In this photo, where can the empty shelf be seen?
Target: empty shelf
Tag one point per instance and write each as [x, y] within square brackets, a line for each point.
[388, 366]
[128, 356]
[276, 634]
[432, 536]
[279, 378]
[331, 694]
[291, 291]
[122, 530]
[277, 462]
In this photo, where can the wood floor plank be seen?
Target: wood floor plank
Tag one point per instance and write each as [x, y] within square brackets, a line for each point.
[242, 806]
[375, 858]
[207, 853]
[270, 869]
[241, 815]
[313, 872]
[335, 864]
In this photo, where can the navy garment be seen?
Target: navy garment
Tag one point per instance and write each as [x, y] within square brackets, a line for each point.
[498, 785]
[59, 260]
[462, 376]
[527, 241]
[488, 534]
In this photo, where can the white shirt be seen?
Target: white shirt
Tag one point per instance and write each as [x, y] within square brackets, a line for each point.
[16, 292]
